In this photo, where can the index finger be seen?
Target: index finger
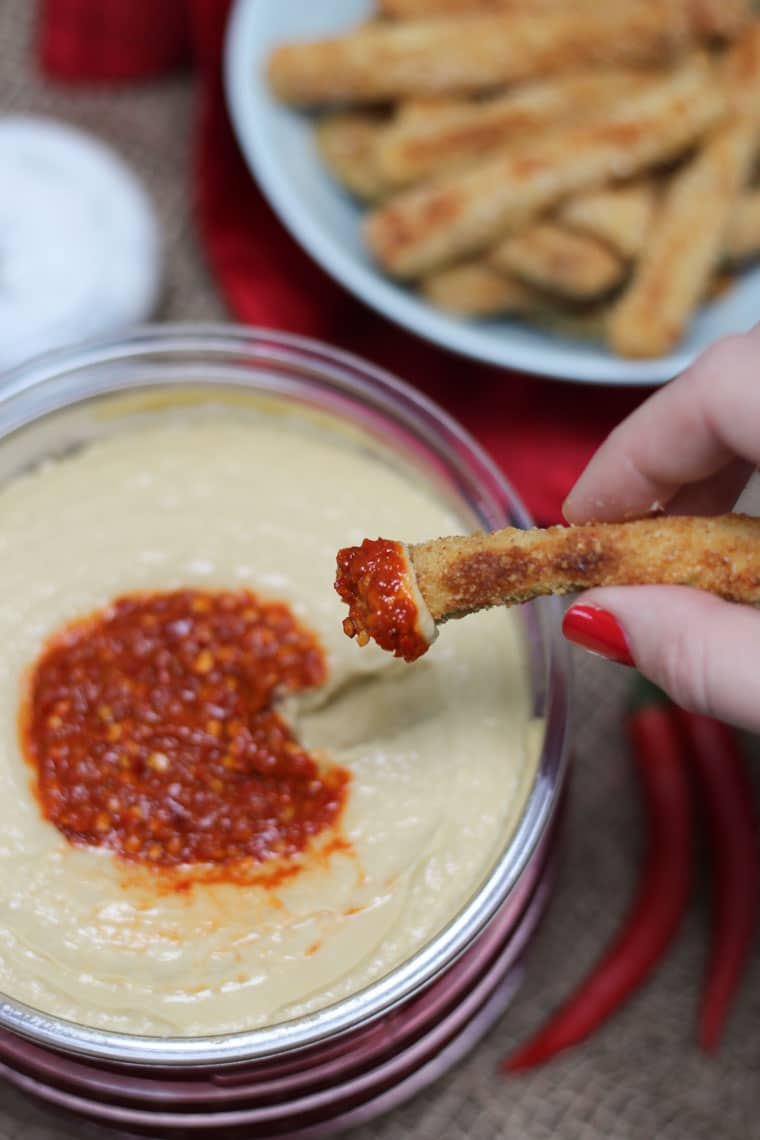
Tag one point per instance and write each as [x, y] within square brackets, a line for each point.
[686, 433]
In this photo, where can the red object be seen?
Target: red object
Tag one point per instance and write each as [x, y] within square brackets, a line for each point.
[662, 896]
[728, 799]
[541, 432]
[598, 631]
[113, 41]
[372, 581]
[152, 732]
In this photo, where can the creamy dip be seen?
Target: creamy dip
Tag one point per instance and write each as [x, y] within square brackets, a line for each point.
[440, 752]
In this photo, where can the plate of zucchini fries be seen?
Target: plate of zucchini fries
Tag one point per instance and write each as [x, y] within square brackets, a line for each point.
[571, 190]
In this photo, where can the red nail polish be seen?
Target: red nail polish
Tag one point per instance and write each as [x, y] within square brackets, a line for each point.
[598, 632]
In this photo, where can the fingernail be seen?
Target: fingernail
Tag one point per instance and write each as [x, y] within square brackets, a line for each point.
[597, 631]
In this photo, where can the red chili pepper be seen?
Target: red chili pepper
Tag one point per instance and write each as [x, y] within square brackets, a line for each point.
[663, 890]
[728, 799]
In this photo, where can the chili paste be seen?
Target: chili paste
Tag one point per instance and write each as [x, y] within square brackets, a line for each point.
[153, 731]
[373, 579]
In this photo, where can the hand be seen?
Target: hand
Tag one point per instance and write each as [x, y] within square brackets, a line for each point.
[689, 449]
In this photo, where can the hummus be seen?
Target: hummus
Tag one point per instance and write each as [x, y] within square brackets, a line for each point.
[439, 753]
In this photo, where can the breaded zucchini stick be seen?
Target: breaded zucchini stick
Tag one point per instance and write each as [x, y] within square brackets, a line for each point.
[479, 288]
[618, 215]
[347, 142]
[420, 145]
[476, 289]
[723, 19]
[718, 17]
[621, 217]
[430, 226]
[683, 249]
[743, 236]
[688, 235]
[399, 594]
[471, 53]
[551, 257]
[413, 9]
[483, 288]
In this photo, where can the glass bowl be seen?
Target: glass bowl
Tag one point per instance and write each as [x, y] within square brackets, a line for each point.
[58, 402]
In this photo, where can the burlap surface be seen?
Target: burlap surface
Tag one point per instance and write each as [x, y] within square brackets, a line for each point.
[641, 1076]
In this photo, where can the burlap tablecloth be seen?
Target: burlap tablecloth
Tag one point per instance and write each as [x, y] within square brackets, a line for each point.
[642, 1075]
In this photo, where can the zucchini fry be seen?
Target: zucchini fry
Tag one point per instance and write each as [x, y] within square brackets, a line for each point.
[476, 289]
[618, 215]
[688, 235]
[721, 18]
[621, 217]
[347, 142]
[427, 227]
[418, 146]
[471, 53]
[743, 236]
[451, 577]
[553, 258]
[414, 9]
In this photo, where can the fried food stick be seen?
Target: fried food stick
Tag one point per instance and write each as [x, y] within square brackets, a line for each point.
[347, 142]
[470, 53]
[414, 9]
[419, 145]
[687, 238]
[717, 17]
[480, 288]
[743, 236]
[476, 289]
[430, 226]
[551, 257]
[723, 19]
[685, 245]
[618, 215]
[621, 217]
[399, 594]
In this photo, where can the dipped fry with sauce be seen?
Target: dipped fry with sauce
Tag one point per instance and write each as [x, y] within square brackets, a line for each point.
[398, 594]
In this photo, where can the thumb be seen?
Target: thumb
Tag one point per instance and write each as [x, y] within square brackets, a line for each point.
[704, 652]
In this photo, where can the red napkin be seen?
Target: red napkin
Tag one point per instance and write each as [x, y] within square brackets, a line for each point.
[541, 432]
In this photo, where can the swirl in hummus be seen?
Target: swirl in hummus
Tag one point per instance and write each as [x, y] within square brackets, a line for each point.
[439, 758]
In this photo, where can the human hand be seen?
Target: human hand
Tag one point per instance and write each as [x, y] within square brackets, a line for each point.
[689, 449]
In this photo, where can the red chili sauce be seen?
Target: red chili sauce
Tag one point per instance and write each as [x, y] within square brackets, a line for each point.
[372, 580]
[152, 731]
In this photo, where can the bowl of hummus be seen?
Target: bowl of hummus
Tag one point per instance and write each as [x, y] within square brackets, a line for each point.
[238, 856]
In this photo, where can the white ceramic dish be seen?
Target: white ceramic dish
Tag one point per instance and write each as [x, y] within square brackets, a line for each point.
[79, 239]
[278, 146]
